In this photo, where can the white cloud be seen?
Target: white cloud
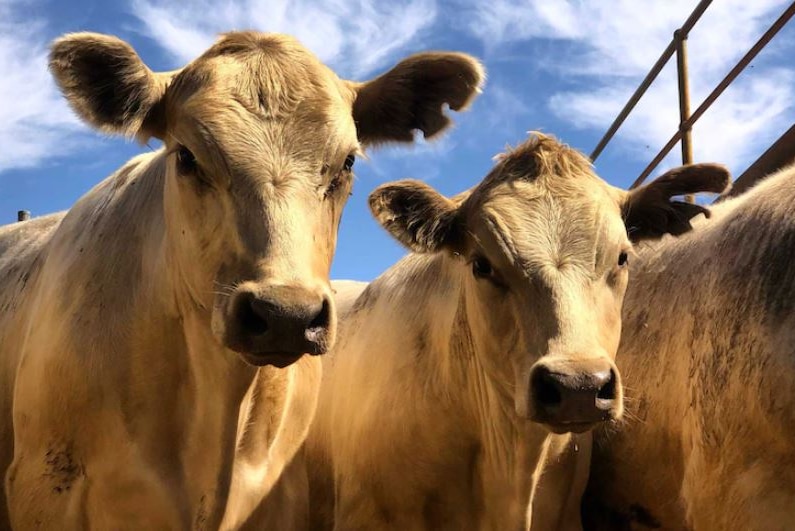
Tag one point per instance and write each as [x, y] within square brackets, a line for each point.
[353, 36]
[610, 46]
[500, 21]
[34, 119]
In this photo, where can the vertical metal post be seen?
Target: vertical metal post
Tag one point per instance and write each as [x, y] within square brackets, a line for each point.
[23, 215]
[684, 100]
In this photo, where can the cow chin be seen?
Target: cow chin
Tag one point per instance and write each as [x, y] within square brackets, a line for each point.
[570, 427]
[276, 359]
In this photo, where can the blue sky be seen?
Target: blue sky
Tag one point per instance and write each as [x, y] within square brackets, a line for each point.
[561, 67]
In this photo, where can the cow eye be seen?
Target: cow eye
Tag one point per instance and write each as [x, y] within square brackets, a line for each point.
[186, 162]
[481, 267]
[623, 258]
[349, 160]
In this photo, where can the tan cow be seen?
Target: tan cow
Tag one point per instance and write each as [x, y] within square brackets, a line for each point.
[460, 365]
[132, 326]
[708, 354]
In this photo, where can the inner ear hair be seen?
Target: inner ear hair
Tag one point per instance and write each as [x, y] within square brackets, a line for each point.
[650, 211]
[107, 84]
[417, 215]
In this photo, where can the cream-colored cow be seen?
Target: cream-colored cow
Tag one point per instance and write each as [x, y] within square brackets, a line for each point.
[131, 327]
[461, 366]
[708, 354]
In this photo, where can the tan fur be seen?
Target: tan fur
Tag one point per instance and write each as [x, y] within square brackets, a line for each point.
[708, 354]
[424, 415]
[130, 410]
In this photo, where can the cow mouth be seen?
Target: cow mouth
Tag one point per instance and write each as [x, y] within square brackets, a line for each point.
[275, 359]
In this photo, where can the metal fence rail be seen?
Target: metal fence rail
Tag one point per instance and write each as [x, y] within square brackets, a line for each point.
[678, 45]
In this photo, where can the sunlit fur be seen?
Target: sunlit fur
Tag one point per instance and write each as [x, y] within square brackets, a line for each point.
[423, 419]
[128, 410]
[708, 354]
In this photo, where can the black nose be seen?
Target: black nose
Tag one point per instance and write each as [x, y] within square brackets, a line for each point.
[281, 321]
[574, 400]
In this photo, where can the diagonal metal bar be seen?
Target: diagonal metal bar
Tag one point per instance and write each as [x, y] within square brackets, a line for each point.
[738, 68]
[649, 79]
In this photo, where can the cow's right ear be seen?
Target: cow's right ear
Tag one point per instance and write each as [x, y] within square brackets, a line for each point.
[417, 216]
[108, 85]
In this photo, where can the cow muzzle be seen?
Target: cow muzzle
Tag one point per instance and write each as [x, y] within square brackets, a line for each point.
[575, 396]
[279, 324]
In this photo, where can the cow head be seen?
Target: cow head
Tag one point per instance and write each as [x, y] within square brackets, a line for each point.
[542, 247]
[260, 142]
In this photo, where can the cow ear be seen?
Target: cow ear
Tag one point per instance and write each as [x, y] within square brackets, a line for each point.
[411, 96]
[108, 85]
[417, 216]
[650, 211]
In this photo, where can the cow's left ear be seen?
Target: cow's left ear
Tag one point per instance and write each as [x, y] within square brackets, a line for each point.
[416, 215]
[411, 96]
[650, 211]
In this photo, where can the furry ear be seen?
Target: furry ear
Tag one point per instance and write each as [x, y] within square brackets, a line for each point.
[416, 215]
[649, 211]
[108, 85]
[391, 107]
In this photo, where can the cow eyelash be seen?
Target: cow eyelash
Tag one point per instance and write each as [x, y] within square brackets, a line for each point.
[333, 185]
[336, 181]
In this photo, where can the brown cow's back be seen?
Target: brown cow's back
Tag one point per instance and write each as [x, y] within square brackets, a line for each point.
[708, 353]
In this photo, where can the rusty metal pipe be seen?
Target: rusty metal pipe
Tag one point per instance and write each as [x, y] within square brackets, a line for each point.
[684, 96]
[684, 101]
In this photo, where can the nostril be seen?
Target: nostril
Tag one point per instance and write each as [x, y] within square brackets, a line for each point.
[323, 318]
[250, 316]
[608, 390]
[545, 390]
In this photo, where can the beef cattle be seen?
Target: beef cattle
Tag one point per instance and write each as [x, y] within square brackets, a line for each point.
[464, 364]
[143, 331]
[708, 356]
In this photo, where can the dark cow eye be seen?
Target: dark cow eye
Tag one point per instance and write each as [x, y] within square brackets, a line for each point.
[623, 258]
[186, 162]
[481, 267]
[349, 160]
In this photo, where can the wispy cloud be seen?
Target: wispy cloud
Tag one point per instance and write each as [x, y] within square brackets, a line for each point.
[609, 46]
[34, 119]
[353, 36]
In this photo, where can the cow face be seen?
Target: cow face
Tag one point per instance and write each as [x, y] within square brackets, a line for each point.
[542, 248]
[260, 144]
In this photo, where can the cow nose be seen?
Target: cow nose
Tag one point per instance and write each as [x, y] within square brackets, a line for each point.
[282, 321]
[569, 398]
[259, 316]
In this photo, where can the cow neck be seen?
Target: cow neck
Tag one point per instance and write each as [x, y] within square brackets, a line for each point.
[510, 447]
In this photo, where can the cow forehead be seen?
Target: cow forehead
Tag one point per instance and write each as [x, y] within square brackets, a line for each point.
[266, 106]
[270, 76]
[537, 227]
